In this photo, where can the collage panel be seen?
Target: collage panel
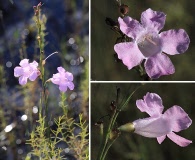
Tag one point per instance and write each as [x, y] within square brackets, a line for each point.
[44, 80]
[142, 121]
[142, 40]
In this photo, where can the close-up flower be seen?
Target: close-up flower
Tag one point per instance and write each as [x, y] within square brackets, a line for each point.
[26, 71]
[159, 125]
[150, 45]
[63, 79]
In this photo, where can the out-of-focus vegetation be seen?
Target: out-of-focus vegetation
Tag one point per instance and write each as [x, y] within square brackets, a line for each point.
[130, 146]
[103, 66]
[66, 31]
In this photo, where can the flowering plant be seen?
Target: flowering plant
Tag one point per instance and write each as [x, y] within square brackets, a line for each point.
[46, 141]
[147, 44]
[160, 125]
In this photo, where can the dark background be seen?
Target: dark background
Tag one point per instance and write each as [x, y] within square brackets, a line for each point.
[180, 14]
[130, 146]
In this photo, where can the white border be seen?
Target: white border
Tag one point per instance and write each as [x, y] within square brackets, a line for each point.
[89, 79]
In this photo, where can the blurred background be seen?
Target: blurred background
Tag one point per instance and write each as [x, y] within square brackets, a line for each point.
[103, 65]
[130, 146]
[67, 29]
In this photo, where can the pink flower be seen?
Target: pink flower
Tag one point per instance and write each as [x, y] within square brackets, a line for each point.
[63, 79]
[27, 70]
[148, 44]
[160, 125]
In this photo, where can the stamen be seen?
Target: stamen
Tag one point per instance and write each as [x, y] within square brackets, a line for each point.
[151, 41]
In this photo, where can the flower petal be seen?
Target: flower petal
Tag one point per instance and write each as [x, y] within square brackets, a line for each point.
[178, 118]
[159, 65]
[70, 85]
[23, 80]
[182, 142]
[152, 127]
[63, 88]
[130, 27]
[24, 62]
[129, 53]
[161, 139]
[33, 76]
[69, 76]
[18, 71]
[153, 19]
[56, 78]
[174, 41]
[61, 69]
[152, 104]
[34, 64]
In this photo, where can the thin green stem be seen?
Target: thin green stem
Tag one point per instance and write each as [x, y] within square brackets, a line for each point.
[107, 148]
[106, 144]
[105, 139]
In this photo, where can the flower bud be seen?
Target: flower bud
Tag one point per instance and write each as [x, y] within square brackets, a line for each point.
[111, 22]
[39, 5]
[124, 9]
[128, 127]
[114, 134]
[36, 13]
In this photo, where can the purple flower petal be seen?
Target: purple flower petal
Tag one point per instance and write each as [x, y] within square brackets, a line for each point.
[23, 80]
[69, 76]
[178, 118]
[34, 64]
[27, 70]
[70, 85]
[61, 69]
[130, 27]
[56, 78]
[24, 63]
[151, 127]
[174, 41]
[161, 139]
[159, 65]
[182, 142]
[18, 71]
[160, 125]
[63, 88]
[33, 76]
[153, 19]
[152, 104]
[129, 53]
[63, 79]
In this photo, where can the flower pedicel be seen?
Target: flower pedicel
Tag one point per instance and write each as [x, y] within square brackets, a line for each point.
[148, 44]
[159, 125]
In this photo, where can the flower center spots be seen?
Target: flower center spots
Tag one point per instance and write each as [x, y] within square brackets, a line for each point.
[149, 44]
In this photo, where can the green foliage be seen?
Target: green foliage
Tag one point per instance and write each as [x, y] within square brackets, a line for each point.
[2, 75]
[84, 86]
[47, 147]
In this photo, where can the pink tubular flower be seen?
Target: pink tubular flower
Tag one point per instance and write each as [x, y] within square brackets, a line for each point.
[63, 79]
[160, 125]
[27, 70]
[148, 44]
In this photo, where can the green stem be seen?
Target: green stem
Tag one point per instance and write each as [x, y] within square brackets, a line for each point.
[105, 146]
